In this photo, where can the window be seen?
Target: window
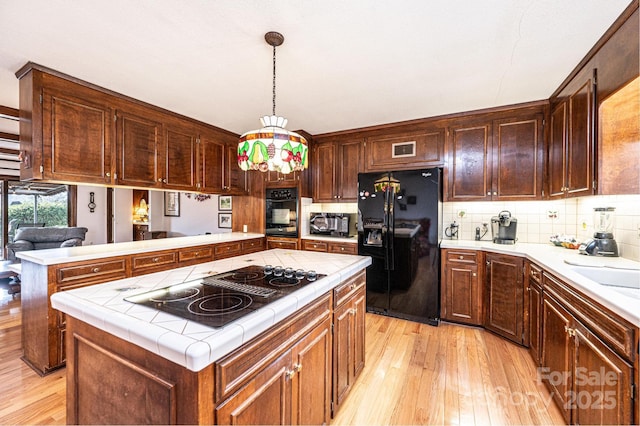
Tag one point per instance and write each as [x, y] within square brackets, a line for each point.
[35, 204]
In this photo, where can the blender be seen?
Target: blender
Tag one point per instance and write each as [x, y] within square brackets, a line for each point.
[602, 243]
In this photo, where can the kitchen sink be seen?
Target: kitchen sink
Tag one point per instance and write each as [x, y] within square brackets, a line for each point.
[629, 278]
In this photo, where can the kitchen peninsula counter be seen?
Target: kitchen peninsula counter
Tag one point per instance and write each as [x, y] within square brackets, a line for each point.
[99, 251]
[559, 261]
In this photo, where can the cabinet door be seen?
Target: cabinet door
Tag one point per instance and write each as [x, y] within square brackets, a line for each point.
[470, 163]
[557, 353]
[504, 304]
[264, 400]
[602, 383]
[343, 339]
[346, 185]
[556, 170]
[76, 135]
[518, 150]
[137, 145]
[323, 172]
[535, 320]
[580, 162]
[311, 384]
[211, 154]
[235, 179]
[179, 157]
[461, 290]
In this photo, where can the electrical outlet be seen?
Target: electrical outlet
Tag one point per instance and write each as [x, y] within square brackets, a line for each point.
[638, 231]
[552, 214]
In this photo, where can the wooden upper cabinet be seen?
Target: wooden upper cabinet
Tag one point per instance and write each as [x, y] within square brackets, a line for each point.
[518, 156]
[557, 162]
[234, 178]
[336, 165]
[76, 134]
[497, 157]
[137, 144]
[179, 157]
[211, 154]
[324, 160]
[576, 131]
[470, 162]
[407, 151]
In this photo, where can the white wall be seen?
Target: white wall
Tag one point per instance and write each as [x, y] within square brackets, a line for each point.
[95, 222]
[196, 217]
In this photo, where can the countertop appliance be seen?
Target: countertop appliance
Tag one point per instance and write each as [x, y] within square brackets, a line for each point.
[332, 224]
[281, 212]
[503, 228]
[219, 299]
[602, 243]
[404, 278]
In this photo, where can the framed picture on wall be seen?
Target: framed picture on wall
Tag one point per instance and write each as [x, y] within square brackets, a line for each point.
[224, 202]
[224, 220]
[172, 204]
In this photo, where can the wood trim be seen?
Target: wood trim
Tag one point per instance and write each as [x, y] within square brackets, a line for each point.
[9, 113]
[619, 22]
[33, 66]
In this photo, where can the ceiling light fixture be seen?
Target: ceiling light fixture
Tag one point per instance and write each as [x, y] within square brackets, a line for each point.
[273, 147]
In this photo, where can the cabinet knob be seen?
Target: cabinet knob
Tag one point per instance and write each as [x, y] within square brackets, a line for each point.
[108, 174]
[488, 192]
[95, 270]
[290, 374]
[155, 259]
[159, 179]
[495, 193]
[488, 263]
[196, 253]
[461, 257]
[341, 248]
[297, 367]
[474, 274]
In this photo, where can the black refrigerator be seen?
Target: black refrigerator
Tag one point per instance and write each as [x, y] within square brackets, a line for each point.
[399, 217]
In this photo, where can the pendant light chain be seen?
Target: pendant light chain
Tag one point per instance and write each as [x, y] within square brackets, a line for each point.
[274, 80]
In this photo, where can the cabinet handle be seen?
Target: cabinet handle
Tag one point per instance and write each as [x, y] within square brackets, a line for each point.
[196, 253]
[570, 331]
[474, 274]
[353, 286]
[290, 374]
[488, 263]
[461, 257]
[155, 259]
[488, 192]
[159, 179]
[95, 270]
[297, 367]
[108, 174]
[164, 181]
[341, 248]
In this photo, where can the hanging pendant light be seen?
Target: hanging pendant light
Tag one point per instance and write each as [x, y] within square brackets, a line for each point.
[273, 147]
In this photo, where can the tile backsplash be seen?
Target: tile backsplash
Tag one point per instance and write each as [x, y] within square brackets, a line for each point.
[538, 220]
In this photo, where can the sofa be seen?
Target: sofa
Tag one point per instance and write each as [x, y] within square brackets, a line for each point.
[44, 238]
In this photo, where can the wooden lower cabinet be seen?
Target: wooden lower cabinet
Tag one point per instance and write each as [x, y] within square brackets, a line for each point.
[533, 315]
[349, 341]
[330, 246]
[504, 299]
[461, 290]
[589, 380]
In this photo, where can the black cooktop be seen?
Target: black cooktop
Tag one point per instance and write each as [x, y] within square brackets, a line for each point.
[217, 300]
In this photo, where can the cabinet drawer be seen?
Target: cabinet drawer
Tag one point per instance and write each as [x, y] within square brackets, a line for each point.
[344, 291]
[282, 244]
[204, 253]
[314, 245]
[251, 246]
[535, 273]
[93, 273]
[346, 248]
[227, 250]
[153, 260]
[466, 256]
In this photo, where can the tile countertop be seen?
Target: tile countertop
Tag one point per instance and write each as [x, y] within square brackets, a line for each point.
[189, 343]
[77, 254]
[559, 261]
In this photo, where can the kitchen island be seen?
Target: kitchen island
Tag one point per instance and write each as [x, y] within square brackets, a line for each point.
[131, 363]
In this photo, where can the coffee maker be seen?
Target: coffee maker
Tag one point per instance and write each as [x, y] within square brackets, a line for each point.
[503, 228]
[602, 243]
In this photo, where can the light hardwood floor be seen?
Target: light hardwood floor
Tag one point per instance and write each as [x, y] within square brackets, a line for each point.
[415, 374]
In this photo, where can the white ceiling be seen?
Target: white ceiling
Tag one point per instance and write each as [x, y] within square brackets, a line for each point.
[344, 63]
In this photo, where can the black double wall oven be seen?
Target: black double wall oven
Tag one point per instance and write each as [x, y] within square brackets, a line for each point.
[281, 212]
